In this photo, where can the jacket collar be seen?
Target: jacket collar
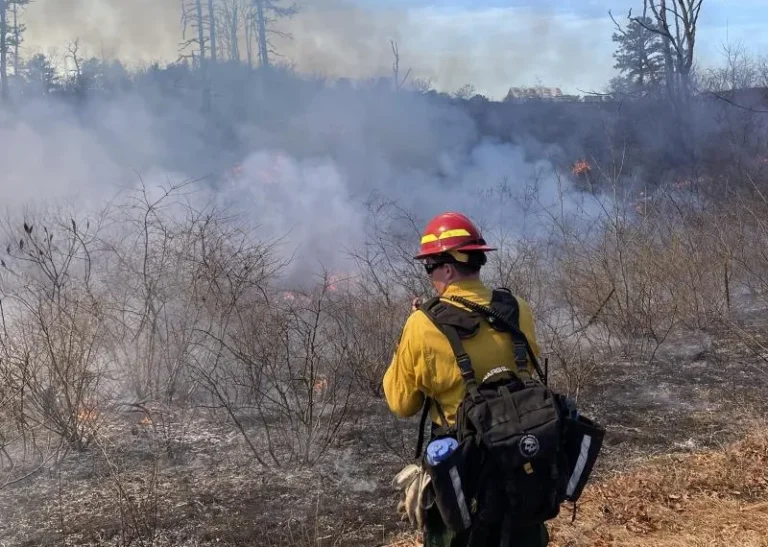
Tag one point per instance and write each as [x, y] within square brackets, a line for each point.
[468, 289]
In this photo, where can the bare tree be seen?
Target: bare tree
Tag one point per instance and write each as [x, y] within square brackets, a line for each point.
[250, 32]
[763, 71]
[396, 80]
[192, 17]
[212, 30]
[739, 72]
[230, 21]
[263, 16]
[18, 30]
[676, 22]
[78, 79]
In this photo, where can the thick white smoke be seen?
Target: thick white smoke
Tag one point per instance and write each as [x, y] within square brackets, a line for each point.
[303, 181]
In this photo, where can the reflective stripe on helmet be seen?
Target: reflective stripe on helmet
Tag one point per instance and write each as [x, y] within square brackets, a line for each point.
[457, 232]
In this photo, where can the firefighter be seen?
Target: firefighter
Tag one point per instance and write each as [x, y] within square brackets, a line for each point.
[453, 251]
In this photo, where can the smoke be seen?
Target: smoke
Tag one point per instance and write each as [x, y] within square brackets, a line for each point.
[307, 182]
[140, 31]
[492, 48]
[47, 155]
[302, 179]
[348, 470]
[309, 155]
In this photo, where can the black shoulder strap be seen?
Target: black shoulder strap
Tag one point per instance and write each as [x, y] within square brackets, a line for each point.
[448, 319]
[504, 303]
[504, 314]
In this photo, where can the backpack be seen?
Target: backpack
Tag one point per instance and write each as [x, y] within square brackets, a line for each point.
[522, 448]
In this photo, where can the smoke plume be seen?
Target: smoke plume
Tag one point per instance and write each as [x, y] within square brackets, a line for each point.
[493, 48]
[298, 160]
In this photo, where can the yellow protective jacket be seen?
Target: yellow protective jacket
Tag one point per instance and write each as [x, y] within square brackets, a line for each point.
[424, 364]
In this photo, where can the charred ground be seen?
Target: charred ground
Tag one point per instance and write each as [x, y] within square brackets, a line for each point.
[186, 479]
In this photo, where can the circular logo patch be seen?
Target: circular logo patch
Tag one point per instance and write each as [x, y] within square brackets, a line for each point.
[529, 446]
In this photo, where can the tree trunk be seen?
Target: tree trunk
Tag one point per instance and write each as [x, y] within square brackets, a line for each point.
[234, 47]
[249, 39]
[203, 61]
[17, 39]
[212, 30]
[262, 28]
[200, 32]
[4, 50]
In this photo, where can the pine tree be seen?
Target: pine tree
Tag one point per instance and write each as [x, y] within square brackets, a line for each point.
[639, 57]
[41, 76]
[11, 31]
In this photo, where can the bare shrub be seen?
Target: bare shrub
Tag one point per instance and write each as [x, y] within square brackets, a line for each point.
[743, 230]
[25, 449]
[368, 331]
[161, 259]
[385, 259]
[378, 298]
[643, 269]
[56, 334]
[521, 266]
[178, 304]
[279, 376]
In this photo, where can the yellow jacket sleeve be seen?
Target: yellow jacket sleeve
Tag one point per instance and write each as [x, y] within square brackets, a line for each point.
[403, 379]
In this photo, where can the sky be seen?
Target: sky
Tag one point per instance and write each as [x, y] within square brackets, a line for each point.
[492, 44]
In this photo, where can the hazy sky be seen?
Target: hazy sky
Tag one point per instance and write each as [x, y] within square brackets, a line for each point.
[493, 44]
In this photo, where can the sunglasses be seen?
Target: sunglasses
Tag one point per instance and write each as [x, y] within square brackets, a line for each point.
[432, 267]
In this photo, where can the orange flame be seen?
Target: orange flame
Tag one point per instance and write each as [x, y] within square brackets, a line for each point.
[87, 414]
[334, 280]
[581, 167]
[320, 385]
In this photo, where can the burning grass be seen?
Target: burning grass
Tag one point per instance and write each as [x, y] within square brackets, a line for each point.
[709, 498]
[581, 167]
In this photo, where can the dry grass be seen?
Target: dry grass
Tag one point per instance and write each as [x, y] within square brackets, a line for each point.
[405, 541]
[705, 499]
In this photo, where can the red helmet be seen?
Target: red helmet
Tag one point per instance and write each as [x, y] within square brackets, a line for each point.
[451, 232]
